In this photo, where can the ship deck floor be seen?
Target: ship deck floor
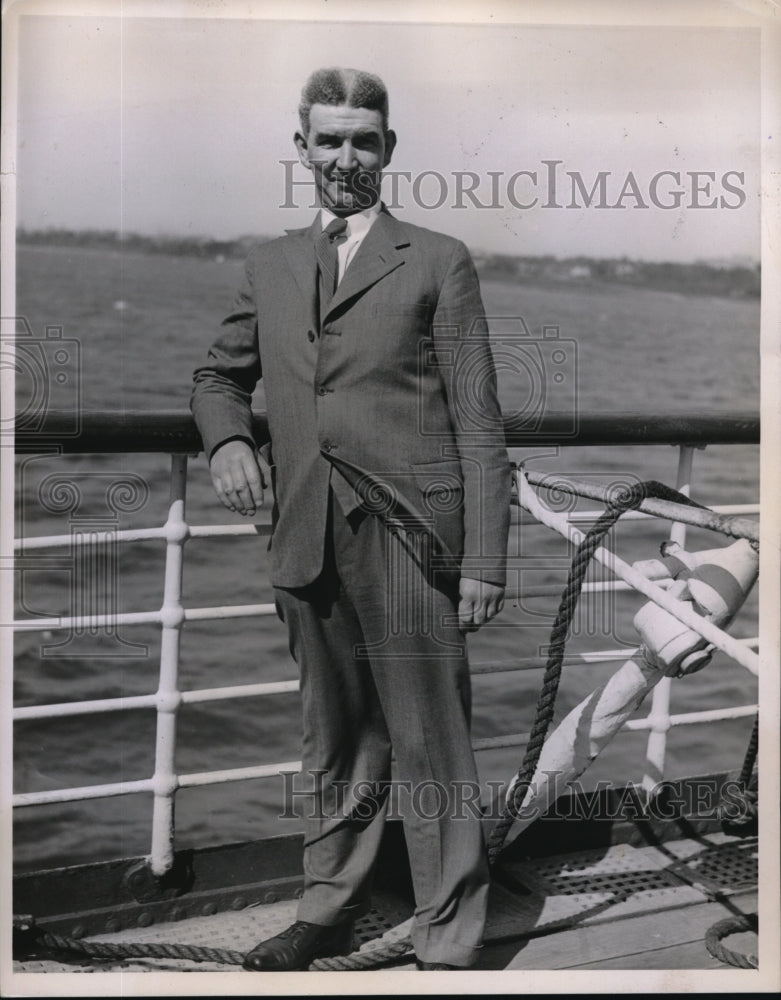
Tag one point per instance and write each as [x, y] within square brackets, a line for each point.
[617, 907]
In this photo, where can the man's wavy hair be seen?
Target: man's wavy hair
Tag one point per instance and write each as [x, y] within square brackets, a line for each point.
[353, 87]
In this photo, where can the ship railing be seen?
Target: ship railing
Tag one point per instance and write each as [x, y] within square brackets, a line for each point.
[174, 433]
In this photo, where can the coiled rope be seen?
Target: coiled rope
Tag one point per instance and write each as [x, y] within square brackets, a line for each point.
[618, 504]
[722, 929]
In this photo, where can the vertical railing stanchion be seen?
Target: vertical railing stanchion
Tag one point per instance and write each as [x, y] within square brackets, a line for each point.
[659, 715]
[168, 696]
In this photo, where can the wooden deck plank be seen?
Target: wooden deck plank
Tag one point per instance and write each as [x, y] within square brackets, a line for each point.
[676, 936]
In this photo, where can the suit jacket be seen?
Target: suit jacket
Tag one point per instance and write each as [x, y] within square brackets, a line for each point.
[396, 389]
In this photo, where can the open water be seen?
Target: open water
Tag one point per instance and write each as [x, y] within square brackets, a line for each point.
[138, 324]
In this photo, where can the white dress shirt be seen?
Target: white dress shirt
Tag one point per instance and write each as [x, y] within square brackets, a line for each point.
[358, 226]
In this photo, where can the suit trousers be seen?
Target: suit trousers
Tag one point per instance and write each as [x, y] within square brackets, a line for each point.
[383, 668]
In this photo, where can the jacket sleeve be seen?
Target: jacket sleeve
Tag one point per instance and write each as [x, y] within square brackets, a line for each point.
[464, 358]
[223, 386]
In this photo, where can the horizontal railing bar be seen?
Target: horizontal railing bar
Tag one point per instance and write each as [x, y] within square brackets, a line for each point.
[93, 538]
[263, 530]
[571, 659]
[697, 517]
[87, 621]
[555, 589]
[272, 770]
[217, 530]
[83, 793]
[239, 691]
[141, 618]
[61, 709]
[228, 611]
[269, 688]
[538, 662]
[692, 718]
[633, 725]
[263, 610]
[637, 515]
[99, 705]
[500, 742]
[249, 610]
[35, 543]
[238, 774]
[174, 431]
[137, 535]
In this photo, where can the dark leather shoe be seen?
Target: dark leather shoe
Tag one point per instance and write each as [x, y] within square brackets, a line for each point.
[437, 966]
[298, 946]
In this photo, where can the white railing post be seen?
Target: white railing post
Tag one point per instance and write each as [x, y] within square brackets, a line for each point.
[168, 698]
[659, 716]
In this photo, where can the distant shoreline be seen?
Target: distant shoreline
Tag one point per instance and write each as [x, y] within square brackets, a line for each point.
[727, 279]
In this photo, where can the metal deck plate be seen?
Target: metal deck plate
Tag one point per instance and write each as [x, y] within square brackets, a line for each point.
[587, 886]
[718, 863]
[543, 895]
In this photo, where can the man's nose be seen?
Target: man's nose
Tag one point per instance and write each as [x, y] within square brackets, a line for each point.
[346, 159]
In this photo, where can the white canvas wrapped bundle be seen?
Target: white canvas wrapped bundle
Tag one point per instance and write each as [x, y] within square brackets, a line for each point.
[719, 580]
[715, 583]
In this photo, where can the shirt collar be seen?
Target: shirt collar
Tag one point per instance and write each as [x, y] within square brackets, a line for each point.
[357, 224]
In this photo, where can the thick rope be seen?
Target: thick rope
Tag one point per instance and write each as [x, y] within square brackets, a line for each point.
[369, 959]
[546, 703]
[751, 754]
[629, 499]
[744, 799]
[110, 950]
[731, 925]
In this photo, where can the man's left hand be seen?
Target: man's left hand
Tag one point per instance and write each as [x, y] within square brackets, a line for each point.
[479, 603]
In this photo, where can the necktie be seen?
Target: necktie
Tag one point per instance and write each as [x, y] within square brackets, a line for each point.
[326, 247]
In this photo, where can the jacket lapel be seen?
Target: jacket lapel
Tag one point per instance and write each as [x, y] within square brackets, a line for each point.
[380, 253]
[299, 250]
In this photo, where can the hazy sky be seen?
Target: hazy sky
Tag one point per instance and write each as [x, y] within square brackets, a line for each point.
[179, 125]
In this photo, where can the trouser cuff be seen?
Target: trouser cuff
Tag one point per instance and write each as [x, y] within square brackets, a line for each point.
[449, 952]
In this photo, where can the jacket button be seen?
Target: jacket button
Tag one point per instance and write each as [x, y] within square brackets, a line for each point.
[311, 336]
[322, 391]
[327, 446]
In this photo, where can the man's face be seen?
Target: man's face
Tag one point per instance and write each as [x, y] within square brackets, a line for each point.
[346, 151]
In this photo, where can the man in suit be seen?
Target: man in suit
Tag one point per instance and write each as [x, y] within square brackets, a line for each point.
[392, 490]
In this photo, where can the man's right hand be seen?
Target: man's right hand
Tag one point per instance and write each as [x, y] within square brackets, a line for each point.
[237, 476]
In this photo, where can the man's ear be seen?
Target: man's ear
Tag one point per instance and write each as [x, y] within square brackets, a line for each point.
[303, 149]
[390, 145]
